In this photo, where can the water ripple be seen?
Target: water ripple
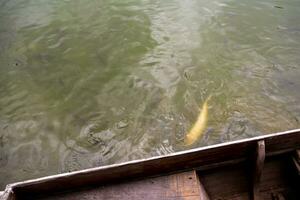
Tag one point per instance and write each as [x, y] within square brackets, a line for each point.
[84, 84]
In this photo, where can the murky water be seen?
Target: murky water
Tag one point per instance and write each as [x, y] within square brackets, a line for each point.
[90, 83]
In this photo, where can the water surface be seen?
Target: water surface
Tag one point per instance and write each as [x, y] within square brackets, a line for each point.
[91, 83]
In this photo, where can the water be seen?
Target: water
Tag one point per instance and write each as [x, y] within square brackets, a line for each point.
[91, 83]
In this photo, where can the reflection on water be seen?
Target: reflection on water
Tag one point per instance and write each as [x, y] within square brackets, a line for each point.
[90, 83]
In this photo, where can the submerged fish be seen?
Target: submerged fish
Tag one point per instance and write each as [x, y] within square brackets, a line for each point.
[200, 125]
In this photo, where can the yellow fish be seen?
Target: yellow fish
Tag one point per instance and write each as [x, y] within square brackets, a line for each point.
[200, 125]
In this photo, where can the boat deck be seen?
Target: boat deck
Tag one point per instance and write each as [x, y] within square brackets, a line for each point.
[264, 167]
[171, 187]
[279, 181]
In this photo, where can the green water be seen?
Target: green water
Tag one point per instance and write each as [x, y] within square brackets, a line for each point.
[91, 83]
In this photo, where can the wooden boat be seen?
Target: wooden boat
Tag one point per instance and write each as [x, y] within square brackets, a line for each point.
[264, 167]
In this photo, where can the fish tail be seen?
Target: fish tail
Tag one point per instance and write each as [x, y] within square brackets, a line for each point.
[205, 102]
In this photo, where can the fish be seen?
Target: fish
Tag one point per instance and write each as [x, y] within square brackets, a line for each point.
[200, 125]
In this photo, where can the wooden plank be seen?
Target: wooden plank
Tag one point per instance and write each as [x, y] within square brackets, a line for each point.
[258, 168]
[298, 155]
[7, 194]
[279, 177]
[227, 182]
[202, 191]
[297, 165]
[199, 158]
[171, 187]
[296, 160]
[232, 182]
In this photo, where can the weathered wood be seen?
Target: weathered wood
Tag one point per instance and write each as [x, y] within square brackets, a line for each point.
[232, 182]
[279, 177]
[171, 187]
[202, 191]
[258, 167]
[298, 155]
[297, 165]
[200, 158]
[228, 182]
[7, 194]
[296, 160]
[277, 196]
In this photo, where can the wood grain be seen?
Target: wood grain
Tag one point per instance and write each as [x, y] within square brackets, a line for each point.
[204, 158]
[7, 194]
[181, 186]
[258, 168]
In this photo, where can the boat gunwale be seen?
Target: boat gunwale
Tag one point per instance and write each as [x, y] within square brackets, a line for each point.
[89, 171]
